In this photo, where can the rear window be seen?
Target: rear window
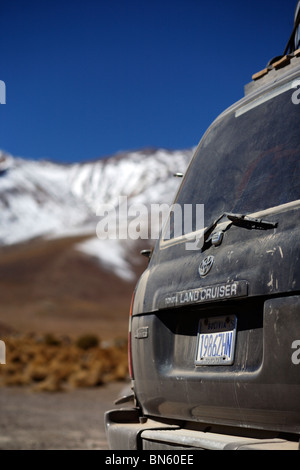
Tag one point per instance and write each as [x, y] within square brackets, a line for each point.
[248, 161]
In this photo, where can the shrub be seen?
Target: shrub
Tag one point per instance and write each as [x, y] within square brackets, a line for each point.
[51, 340]
[87, 341]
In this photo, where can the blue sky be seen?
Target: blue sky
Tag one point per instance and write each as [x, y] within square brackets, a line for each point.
[88, 78]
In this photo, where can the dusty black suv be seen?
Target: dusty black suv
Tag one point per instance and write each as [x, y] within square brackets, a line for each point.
[215, 330]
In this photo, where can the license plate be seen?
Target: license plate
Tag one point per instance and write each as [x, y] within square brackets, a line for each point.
[216, 341]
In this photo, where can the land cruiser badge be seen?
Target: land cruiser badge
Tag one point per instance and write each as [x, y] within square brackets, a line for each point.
[206, 265]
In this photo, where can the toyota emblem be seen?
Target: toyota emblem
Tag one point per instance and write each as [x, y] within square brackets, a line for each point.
[206, 265]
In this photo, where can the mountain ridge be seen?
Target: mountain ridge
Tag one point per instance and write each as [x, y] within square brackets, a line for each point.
[46, 199]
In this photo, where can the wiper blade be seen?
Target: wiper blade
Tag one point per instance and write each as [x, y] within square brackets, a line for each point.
[250, 222]
[241, 220]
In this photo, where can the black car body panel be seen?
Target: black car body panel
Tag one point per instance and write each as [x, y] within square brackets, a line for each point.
[212, 329]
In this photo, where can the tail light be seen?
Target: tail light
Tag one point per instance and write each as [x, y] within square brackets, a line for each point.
[129, 340]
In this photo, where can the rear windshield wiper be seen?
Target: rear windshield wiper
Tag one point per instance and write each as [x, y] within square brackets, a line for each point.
[250, 222]
[242, 220]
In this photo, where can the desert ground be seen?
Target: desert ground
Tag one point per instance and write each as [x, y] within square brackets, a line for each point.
[55, 421]
[64, 320]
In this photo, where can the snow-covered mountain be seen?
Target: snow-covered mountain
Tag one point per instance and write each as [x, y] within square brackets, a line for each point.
[45, 199]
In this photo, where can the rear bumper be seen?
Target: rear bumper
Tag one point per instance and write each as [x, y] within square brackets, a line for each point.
[125, 432]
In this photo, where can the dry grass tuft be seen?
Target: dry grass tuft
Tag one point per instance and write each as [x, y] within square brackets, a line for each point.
[50, 363]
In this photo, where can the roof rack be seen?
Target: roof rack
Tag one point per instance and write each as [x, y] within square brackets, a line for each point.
[292, 49]
[279, 63]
